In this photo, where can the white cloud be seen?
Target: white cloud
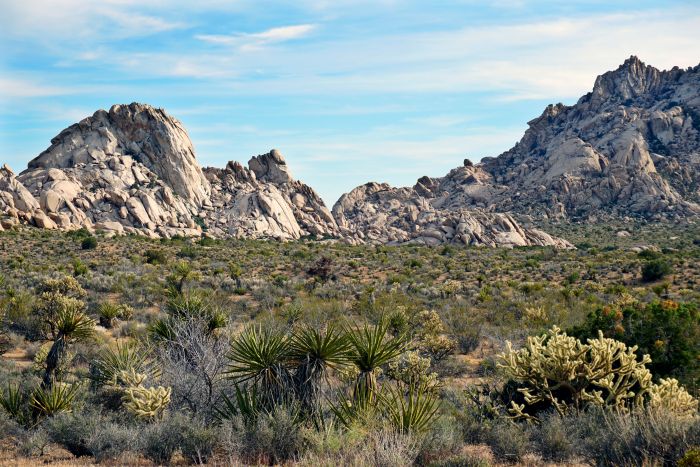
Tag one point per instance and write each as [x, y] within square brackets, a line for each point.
[253, 41]
[72, 21]
[553, 59]
[15, 87]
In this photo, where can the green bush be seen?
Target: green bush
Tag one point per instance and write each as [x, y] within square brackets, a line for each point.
[668, 331]
[655, 270]
[162, 439]
[73, 431]
[111, 441]
[155, 256]
[88, 243]
[508, 441]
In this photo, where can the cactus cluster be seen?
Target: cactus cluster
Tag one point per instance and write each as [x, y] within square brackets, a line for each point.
[559, 371]
[147, 403]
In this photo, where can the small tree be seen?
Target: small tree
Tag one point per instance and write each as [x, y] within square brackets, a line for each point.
[655, 270]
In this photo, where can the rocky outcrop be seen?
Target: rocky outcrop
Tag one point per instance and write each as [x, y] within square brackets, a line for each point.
[133, 170]
[631, 147]
[378, 213]
[148, 135]
[264, 200]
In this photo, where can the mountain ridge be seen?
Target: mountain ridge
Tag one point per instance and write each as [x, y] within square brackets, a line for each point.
[630, 147]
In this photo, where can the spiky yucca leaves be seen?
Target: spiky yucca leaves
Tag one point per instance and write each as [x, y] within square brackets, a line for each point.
[372, 348]
[70, 323]
[184, 307]
[115, 360]
[109, 313]
[261, 356]
[314, 352]
[362, 408]
[410, 407]
[15, 402]
[49, 401]
[147, 403]
[247, 405]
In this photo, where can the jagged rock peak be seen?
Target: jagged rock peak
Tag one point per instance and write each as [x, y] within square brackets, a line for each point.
[630, 80]
[270, 167]
[145, 133]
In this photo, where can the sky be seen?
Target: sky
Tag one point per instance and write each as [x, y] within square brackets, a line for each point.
[349, 91]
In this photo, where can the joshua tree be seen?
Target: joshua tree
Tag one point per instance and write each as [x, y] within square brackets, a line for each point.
[314, 352]
[373, 348]
[70, 323]
[260, 356]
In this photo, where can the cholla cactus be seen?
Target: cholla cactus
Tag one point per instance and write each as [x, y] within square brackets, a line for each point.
[535, 314]
[147, 403]
[129, 378]
[413, 370]
[561, 371]
[669, 396]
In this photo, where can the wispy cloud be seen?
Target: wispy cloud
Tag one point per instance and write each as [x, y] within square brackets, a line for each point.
[556, 58]
[254, 41]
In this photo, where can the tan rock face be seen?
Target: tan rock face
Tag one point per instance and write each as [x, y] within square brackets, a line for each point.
[133, 170]
[145, 134]
[631, 147]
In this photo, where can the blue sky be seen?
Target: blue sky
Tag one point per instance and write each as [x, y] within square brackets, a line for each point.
[349, 91]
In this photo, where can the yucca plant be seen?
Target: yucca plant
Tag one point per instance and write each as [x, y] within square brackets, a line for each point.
[14, 402]
[362, 407]
[108, 312]
[314, 353]
[246, 404]
[161, 330]
[410, 407]
[196, 305]
[70, 324]
[49, 401]
[260, 356]
[119, 358]
[372, 348]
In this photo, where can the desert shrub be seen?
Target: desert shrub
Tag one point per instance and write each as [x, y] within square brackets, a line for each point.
[274, 438]
[33, 443]
[8, 426]
[655, 269]
[508, 441]
[73, 431]
[441, 440]
[112, 440]
[649, 254]
[79, 268]
[162, 439]
[199, 442]
[644, 437]
[668, 331]
[192, 361]
[154, 256]
[88, 243]
[552, 438]
[690, 459]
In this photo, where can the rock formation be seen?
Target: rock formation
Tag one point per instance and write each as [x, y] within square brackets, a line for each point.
[631, 147]
[378, 213]
[133, 170]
